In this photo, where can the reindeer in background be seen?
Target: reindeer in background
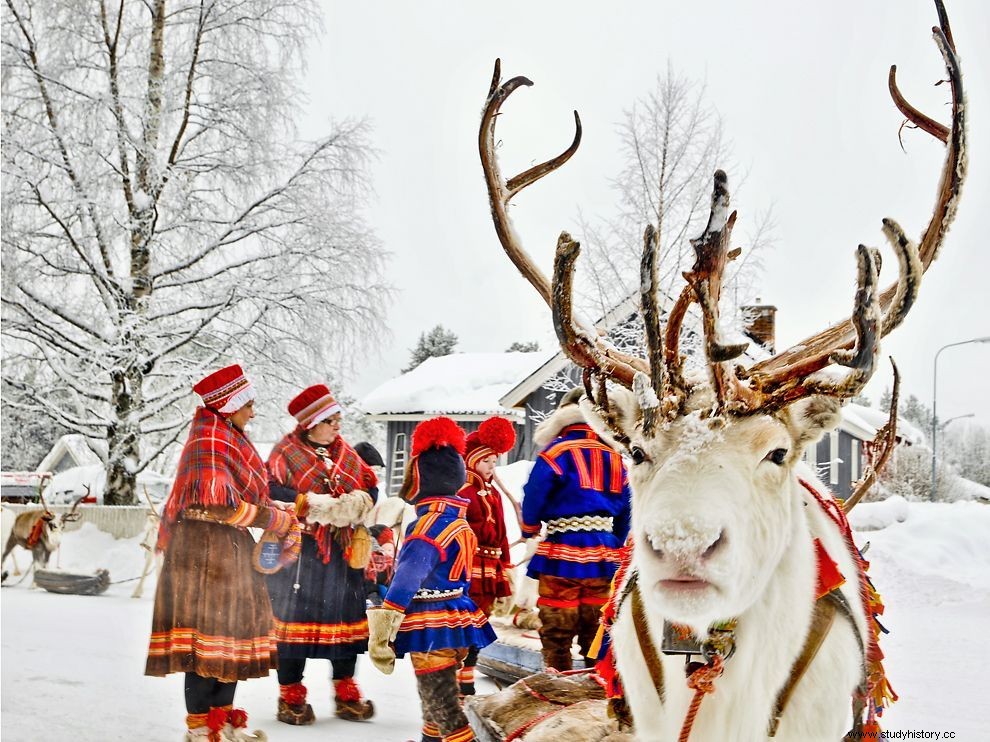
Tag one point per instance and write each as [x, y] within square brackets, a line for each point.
[40, 532]
[736, 542]
[152, 560]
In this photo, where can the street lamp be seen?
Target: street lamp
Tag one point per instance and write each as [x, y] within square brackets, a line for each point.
[935, 396]
[944, 425]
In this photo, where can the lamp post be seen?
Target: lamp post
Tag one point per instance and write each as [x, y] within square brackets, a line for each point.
[944, 425]
[986, 339]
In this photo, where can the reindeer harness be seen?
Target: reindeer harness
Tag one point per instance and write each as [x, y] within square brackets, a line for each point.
[719, 645]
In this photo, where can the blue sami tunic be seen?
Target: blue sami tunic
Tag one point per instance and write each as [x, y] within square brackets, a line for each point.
[577, 485]
[431, 581]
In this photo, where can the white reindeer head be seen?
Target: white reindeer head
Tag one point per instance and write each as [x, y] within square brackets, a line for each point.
[715, 504]
[715, 492]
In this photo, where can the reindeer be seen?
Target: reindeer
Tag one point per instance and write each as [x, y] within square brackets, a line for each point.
[732, 534]
[40, 532]
[152, 559]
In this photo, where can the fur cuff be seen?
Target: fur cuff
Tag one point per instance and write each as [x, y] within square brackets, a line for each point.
[550, 428]
[327, 510]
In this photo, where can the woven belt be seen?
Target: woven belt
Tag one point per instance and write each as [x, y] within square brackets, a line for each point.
[489, 552]
[201, 515]
[427, 594]
[579, 523]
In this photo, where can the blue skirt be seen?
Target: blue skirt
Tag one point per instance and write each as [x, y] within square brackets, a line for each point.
[442, 624]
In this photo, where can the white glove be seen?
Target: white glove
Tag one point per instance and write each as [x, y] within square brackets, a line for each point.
[383, 627]
[339, 511]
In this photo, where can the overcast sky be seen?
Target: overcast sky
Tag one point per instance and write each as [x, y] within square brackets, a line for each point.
[801, 88]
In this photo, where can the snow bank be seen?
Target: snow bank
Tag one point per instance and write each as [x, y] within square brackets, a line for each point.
[947, 540]
[873, 516]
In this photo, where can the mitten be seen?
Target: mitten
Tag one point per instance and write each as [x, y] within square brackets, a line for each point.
[383, 627]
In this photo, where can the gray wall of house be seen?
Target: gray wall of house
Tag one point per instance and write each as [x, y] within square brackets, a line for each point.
[399, 433]
[839, 461]
[539, 405]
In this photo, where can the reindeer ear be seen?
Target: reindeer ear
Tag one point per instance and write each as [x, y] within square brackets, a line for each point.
[625, 409]
[809, 419]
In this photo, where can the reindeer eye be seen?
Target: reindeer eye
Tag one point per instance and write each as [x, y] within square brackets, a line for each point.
[776, 456]
[638, 455]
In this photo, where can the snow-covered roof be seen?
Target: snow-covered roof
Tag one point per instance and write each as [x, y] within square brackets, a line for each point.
[864, 422]
[459, 384]
[516, 396]
[73, 445]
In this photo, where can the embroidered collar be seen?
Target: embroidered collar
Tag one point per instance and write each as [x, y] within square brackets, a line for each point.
[455, 506]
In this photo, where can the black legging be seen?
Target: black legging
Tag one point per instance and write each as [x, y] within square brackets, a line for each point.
[290, 670]
[202, 694]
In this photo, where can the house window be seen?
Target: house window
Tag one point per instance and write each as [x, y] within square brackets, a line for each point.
[811, 456]
[398, 463]
[833, 456]
[854, 455]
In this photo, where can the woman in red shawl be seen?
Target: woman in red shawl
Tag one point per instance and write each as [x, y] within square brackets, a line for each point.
[489, 581]
[212, 619]
[319, 603]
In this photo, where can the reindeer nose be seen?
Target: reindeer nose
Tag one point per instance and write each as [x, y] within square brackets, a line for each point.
[686, 543]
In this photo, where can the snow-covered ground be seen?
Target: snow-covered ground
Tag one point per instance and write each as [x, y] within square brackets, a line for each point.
[72, 666]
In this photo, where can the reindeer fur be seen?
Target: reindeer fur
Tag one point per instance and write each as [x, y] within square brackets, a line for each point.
[339, 510]
[708, 479]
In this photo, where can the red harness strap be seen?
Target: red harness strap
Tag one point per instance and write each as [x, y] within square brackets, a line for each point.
[36, 530]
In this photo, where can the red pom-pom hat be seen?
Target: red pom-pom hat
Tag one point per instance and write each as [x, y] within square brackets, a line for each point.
[313, 405]
[437, 433]
[226, 390]
[494, 436]
[436, 466]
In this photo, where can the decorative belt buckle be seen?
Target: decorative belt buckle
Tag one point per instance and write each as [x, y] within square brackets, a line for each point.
[679, 640]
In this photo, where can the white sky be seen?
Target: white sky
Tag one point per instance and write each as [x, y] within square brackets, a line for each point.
[802, 90]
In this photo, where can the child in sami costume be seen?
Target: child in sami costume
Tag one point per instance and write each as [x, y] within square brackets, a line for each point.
[212, 619]
[319, 604]
[579, 488]
[427, 611]
[489, 579]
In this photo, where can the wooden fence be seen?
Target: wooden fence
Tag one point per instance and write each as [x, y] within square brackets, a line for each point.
[120, 521]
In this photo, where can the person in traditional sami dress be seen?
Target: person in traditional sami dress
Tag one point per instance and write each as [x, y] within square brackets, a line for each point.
[427, 612]
[319, 604]
[489, 575]
[579, 488]
[212, 619]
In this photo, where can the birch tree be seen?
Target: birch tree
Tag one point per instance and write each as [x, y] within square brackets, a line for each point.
[161, 218]
[671, 143]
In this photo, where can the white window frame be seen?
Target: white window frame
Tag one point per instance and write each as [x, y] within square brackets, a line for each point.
[833, 453]
[854, 456]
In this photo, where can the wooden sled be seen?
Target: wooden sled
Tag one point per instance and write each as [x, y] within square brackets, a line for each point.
[68, 583]
[515, 654]
[546, 707]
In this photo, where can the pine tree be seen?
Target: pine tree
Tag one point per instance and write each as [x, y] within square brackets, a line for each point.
[437, 342]
[527, 347]
[885, 400]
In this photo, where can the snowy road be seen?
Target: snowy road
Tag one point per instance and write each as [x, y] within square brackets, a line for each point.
[72, 665]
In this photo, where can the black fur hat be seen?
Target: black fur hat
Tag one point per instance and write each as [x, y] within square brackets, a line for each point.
[369, 454]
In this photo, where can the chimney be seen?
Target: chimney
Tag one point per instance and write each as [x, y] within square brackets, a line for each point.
[759, 323]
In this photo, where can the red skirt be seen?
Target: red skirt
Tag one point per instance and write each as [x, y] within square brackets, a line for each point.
[212, 613]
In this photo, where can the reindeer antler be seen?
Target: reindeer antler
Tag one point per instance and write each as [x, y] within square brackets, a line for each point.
[582, 345]
[886, 441]
[771, 384]
[72, 515]
[788, 375]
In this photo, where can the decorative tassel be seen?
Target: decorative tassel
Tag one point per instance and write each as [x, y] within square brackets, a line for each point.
[238, 718]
